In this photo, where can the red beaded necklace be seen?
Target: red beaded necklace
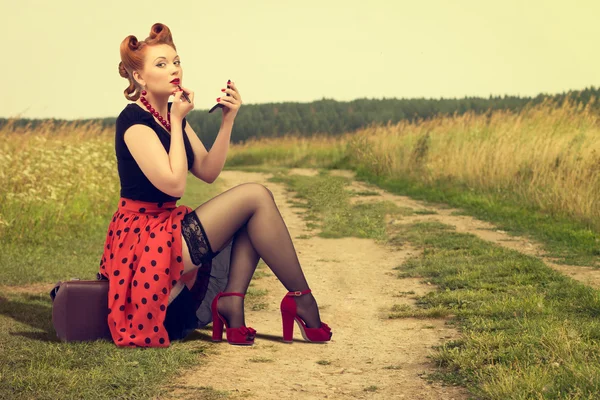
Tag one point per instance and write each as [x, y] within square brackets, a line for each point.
[166, 123]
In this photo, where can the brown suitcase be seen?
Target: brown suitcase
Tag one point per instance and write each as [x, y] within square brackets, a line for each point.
[80, 310]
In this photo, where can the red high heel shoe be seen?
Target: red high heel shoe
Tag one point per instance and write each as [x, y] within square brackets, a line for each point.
[289, 314]
[238, 336]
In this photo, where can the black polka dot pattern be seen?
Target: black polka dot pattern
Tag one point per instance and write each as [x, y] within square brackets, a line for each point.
[142, 259]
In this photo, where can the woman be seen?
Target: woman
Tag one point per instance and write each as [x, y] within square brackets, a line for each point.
[155, 249]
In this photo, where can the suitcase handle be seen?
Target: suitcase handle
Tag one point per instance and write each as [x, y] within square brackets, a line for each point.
[54, 290]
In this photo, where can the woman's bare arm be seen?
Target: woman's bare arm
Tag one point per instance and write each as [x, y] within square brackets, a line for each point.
[167, 172]
[208, 165]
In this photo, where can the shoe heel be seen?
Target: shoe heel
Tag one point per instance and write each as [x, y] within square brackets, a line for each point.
[288, 326]
[217, 322]
[244, 335]
[289, 314]
[217, 329]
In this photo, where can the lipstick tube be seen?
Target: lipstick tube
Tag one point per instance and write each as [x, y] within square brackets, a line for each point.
[184, 95]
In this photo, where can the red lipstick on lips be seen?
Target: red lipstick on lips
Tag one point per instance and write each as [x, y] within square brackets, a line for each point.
[176, 81]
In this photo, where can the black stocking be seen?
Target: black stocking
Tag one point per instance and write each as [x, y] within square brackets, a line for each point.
[248, 213]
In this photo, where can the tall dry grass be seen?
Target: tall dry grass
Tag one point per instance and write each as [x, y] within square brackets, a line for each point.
[545, 156]
[548, 156]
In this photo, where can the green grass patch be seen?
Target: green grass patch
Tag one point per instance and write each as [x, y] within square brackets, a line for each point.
[406, 311]
[563, 238]
[328, 207]
[259, 274]
[527, 331]
[252, 292]
[364, 193]
[254, 298]
[425, 212]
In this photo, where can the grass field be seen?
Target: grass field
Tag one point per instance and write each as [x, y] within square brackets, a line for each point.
[528, 332]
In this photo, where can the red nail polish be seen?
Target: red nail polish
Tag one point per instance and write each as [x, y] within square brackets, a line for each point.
[222, 90]
[218, 99]
[229, 81]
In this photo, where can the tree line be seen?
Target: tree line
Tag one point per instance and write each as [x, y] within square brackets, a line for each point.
[328, 116]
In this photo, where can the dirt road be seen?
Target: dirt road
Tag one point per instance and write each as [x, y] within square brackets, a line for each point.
[370, 356]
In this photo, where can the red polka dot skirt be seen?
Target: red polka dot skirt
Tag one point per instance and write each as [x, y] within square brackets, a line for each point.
[142, 260]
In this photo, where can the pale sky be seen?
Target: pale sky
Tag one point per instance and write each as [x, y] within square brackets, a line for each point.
[60, 58]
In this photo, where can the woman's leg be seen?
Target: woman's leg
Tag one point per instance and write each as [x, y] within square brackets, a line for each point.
[248, 213]
[244, 260]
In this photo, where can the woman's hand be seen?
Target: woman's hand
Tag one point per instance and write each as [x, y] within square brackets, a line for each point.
[180, 106]
[232, 102]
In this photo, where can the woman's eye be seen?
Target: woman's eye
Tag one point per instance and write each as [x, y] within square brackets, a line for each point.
[159, 64]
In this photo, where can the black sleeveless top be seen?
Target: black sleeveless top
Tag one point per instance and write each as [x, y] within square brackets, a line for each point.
[134, 184]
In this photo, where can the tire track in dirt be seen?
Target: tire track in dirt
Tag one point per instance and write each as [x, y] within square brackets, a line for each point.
[370, 356]
[466, 224]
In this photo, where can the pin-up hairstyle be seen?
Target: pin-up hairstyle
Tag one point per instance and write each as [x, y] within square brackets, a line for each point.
[133, 53]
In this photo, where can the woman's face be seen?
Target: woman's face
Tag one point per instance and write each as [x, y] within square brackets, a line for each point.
[161, 66]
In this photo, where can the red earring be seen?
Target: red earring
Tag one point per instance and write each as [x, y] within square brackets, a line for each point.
[144, 92]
